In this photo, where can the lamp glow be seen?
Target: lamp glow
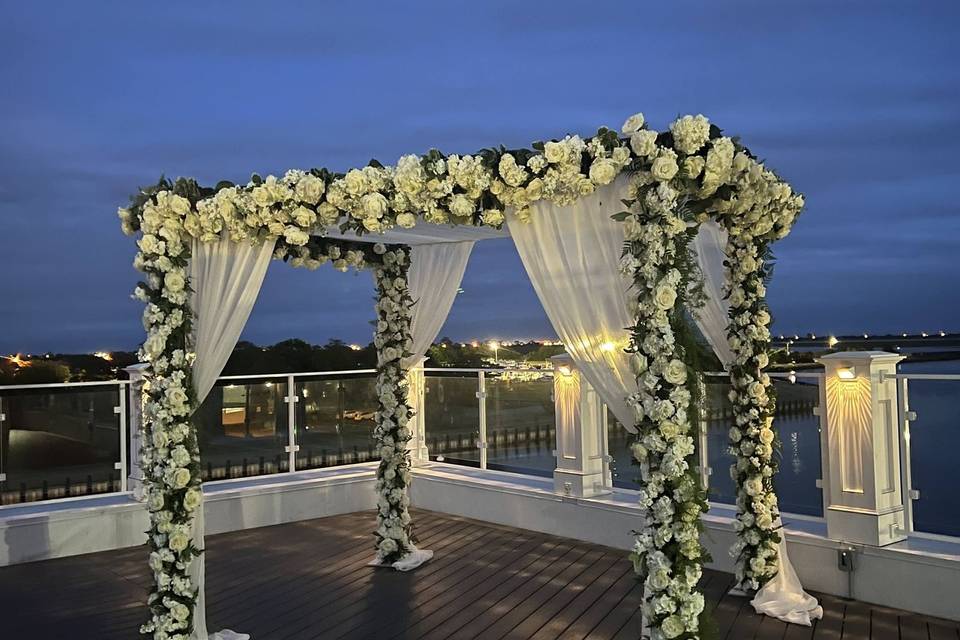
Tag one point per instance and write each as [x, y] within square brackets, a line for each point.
[846, 373]
[832, 341]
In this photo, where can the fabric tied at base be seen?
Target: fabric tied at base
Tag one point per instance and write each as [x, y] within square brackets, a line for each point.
[227, 634]
[783, 596]
[408, 562]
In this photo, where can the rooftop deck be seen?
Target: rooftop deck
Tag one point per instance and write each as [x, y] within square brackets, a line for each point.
[310, 580]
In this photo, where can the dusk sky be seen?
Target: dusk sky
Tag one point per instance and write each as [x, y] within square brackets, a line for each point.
[856, 104]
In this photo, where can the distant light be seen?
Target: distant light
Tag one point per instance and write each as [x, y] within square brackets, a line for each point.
[792, 377]
[18, 360]
[474, 344]
[943, 334]
[268, 385]
[813, 336]
[866, 336]
[923, 335]
[904, 335]
[104, 355]
[443, 345]
[356, 347]
[846, 373]
[796, 337]
[832, 341]
[493, 344]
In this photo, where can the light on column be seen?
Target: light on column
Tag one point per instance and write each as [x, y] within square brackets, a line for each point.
[846, 373]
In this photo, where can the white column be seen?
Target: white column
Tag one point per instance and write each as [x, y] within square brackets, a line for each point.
[861, 449]
[581, 440]
[416, 396]
[135, 399]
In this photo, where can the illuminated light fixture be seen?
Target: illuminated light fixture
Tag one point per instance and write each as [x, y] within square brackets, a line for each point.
[231, 386]
[866, 336]
[943, 334]
[356, 347]
[846, 373]
[832, 341]
[104, 355]
[608, 346]
[813, 336]
[792, 377]
[268, 384]
[565, 370]
[904, 335]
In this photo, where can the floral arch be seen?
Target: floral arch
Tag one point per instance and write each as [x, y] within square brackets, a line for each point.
[679, 179]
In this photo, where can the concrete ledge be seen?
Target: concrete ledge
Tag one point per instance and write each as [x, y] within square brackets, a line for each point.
[72, 526]
[919, 574]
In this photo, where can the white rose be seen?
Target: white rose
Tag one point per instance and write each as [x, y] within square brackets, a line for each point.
[374, 205]
[633, 123]
[643, 143]
[664, 297]
[181, 478]
[309, 189]
[406, 220]
[295, 236]
[174, 281]
[766, 435]
[554, 152]
[304, 217]
[676, 372]
[191, 499]
[603, 171]
[178, 541]
[492, 217]
[671, 627]
[179, 611]
[664, 167]
[355, 182]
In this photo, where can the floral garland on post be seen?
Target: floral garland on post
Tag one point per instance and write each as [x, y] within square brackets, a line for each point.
[394, 538]
[169, 453]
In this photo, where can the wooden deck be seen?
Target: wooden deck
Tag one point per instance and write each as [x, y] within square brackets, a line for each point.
[310, 580]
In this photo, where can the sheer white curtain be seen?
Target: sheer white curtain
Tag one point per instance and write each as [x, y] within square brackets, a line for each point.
[436, 271]
[572, 256]
[226, 278]
[782, 597]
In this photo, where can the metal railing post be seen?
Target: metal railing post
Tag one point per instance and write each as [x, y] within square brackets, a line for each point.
[905, 417]
[122, 411]
[292, 398]
[823, 482]
[482, 397]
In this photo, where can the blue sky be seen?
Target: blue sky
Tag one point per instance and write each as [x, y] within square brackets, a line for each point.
[857, 104]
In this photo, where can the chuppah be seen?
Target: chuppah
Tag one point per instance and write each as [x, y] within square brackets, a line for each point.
[626, 236]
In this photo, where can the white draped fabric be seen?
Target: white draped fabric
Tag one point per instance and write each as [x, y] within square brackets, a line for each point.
[436, 271]
[710, 244]
[226, 277]
[572, 256]
[434, 277]
[782, 597]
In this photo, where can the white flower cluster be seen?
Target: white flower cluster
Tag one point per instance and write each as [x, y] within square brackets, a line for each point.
[752, 438]
[392, 431]
[667, 548]
[169, 454]
[341, 255]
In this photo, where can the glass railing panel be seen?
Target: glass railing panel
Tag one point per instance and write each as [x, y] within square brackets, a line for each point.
[521, 422]
[452, 418]
[242, 429]
[933, 451]
[623, 472]
[58, 442]
[335, 421]
[799, 455]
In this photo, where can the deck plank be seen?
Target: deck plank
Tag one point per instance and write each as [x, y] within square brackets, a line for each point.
[310, 580]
